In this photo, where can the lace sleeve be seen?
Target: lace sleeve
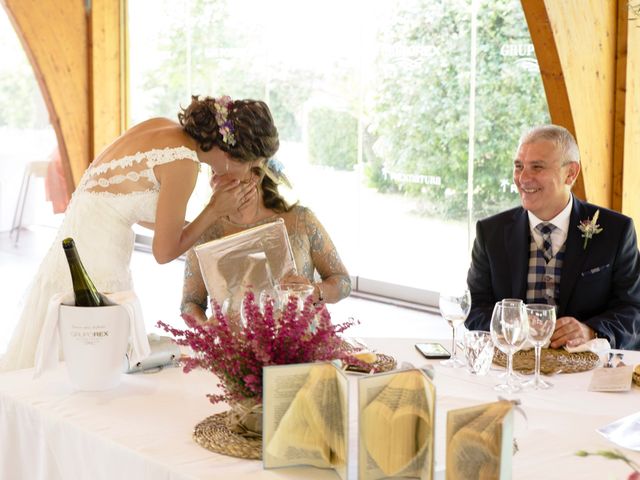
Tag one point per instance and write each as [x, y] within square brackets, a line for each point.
[336, 283]
[194, 292]
[132, 173]
[195, 298]
[170, 154]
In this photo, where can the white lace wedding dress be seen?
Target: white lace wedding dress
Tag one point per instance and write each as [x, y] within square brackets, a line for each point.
[109, 199]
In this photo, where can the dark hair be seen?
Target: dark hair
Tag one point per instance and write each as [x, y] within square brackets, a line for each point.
[271, 196]
[255, 134]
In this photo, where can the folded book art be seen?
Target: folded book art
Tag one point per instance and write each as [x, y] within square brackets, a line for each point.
[396, 425]
[254, 259]
[305, 416]
[480, 442]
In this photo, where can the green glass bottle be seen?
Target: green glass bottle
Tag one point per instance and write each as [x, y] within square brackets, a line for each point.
[86, 293]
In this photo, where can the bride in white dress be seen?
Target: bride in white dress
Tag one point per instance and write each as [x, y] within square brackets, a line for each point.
[146, 176]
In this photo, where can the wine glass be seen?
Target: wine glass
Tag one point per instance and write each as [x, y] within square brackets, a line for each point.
[515, 302]
[509, 330]
[512, 301]
[542, 323]
[454, 308]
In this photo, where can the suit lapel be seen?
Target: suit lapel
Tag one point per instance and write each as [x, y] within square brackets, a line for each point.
[574, 255]
[517, 240]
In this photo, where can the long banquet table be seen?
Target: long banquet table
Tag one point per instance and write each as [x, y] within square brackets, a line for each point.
[143, 428]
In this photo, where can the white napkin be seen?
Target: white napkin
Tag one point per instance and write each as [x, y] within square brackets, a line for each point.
[596, 345]
[48, 344]
[624, 432]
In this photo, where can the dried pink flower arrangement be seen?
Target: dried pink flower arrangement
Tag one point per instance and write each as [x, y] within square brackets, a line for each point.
[236, 351]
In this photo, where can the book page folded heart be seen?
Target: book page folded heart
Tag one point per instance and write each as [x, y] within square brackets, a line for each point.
[396, 425]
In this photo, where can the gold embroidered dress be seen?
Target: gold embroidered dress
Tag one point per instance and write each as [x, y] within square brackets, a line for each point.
[312, 249]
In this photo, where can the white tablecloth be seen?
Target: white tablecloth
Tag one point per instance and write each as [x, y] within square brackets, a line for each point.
[142, 429]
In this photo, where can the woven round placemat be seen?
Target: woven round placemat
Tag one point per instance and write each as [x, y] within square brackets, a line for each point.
[213, 434]
[552, 361]
[636, 375]
[383, 363]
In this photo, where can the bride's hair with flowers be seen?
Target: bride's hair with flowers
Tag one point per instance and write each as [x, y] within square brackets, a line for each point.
[246, 131]
[242, 128]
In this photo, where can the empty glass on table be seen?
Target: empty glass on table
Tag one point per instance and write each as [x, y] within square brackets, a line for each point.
[478, 350]
[542, 323]
[454, 308]
[509, 330]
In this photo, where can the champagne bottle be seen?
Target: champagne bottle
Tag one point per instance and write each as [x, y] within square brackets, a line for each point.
[86, 293]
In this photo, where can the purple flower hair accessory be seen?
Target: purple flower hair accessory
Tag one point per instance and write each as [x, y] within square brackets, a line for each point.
[222, 105]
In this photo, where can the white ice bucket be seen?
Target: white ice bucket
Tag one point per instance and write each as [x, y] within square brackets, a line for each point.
[94, 344]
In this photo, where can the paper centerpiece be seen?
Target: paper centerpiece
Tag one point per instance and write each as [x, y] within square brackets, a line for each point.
[396, 425]
[480, 441]
[254, 259]
[305, 416]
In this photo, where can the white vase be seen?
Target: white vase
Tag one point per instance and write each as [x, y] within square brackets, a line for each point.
[94, 344]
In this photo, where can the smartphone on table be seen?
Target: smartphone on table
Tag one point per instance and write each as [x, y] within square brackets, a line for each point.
[432, 350]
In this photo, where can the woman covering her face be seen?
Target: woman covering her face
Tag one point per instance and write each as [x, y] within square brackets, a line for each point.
[315, 255]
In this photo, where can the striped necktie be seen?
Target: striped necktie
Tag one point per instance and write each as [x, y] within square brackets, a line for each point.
[545, 229]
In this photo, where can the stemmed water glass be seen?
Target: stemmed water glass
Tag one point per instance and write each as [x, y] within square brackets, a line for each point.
[454, 308]
[517, 302]
[542, 323]
[509, 330]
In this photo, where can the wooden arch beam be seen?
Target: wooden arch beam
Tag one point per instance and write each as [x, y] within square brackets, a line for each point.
[77, 51]
[628, 113]
[54, 37]
[575, 42]
[589, 57]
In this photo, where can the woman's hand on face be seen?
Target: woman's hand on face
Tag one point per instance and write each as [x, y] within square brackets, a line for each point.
[230, 195]
[221, 182]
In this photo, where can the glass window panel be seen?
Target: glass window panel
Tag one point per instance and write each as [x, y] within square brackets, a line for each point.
[383, 116]
[509, 100]
[25, 132]
[25, 136]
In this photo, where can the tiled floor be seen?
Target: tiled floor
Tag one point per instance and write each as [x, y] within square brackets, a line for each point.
[159, 288]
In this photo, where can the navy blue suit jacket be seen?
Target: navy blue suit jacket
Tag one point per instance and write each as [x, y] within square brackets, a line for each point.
[600, 284]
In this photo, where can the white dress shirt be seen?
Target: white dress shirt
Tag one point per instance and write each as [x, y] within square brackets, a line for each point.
[559, 234]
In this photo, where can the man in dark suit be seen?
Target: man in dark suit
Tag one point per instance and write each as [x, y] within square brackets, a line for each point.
[558, 250]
